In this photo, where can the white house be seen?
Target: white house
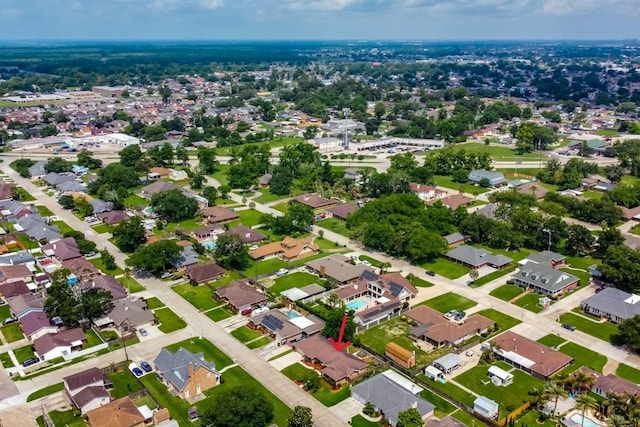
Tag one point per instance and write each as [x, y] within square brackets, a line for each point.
[485, 407]
[51, 346]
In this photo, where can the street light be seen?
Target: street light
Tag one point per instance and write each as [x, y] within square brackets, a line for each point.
[546, 230]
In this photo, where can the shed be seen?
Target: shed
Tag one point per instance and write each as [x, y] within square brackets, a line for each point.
[434, 373]
[400, 355]
[485, 407]
[499, 376]
[448, 362]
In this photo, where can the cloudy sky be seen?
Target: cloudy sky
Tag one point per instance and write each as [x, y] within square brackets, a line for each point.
[317, 19]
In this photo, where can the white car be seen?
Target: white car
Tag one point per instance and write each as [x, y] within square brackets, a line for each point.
[470, 353]
[281, 272]
[254, 247]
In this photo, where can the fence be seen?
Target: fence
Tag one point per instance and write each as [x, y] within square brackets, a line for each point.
[86, 351]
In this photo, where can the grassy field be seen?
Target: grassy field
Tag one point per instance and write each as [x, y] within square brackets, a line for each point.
[450, 301]
[244, 334]
[71, 418]
[124, 384]
[267, 266]
[293, 280]
[530, 302]
[169, 321]
[325, 244]
[5, 311]
[513, 395]
[497, 153]
[506, 292]
[6, 361]
[201, 297]
[446, 268]
[443, 407]
[134, 200]
[187, 224]
[327, 396]
[336, 225]
[493, 276]
[250, 217]
[45, 391]
[210, 351]
[131, 284]
[451, 390]
[552, 340]
[24, 353]
[582, 357]
[153, 303]
[504, 321]
[601, 330]
[260, 342]
[447, 181]
[267, 196]
[100, 265]
[12, 332]
[629, 373]
[220, 174]
[218, 314]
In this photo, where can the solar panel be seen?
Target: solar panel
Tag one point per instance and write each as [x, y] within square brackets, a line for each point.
[395, 289]
[369, 275]
[271, 322]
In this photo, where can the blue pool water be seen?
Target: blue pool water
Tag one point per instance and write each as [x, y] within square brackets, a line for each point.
[354, 305]
[291, 314]
[577, 418]
[210, 244]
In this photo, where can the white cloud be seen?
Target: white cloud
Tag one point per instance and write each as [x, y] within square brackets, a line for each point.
[320, 5]
[581, 7]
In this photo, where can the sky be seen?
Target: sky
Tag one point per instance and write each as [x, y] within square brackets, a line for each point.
[318, 19]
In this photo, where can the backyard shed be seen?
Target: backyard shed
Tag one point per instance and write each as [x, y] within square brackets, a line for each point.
[400, 355]
[499, 376]
[434, 373]
[448, 362]
[485, 407]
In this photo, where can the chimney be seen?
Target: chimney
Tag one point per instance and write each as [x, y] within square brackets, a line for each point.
[322, 270]
[126, 308]
[190, 369]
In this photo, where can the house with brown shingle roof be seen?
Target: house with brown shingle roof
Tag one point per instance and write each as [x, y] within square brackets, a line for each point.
[218, 214]
[610, 383]
[63, 249]
[12, 289]
[108, 283]
[81, 268]
[209, 231]
[204, 273]
[337, 267]
[453, 202]
[51, 346]
[36, 324]
[248, 235]
[119, 413]
[289, 249]
[434, 328]
[342, 211]
[113, 217]
[240, 295]
[316, 202]
[86, 389]
[15, 273]
[158, 187]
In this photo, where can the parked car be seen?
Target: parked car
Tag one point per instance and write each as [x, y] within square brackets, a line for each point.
[143, 332]
[165, 275]
[470, 353]
[254, 247]
[459, 316]
[367, 263]
[281, 272]
[176, 277]
[450, 314]
[430, 273]
[145, 365]
[137, 372]
[9, 320]
[569, 327]
[30, 361]
[89, 254]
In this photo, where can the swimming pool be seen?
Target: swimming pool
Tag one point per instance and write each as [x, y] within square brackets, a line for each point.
[291, 314]
[210, 244]
[588, 422]
[354, 305]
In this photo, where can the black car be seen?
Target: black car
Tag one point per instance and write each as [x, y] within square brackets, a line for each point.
[31, 361]
[430, 273]
[569, 327]
[145, 365]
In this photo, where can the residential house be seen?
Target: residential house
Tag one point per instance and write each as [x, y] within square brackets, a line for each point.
[158, 187]
[108, 283]
[427, 193]
[435, 329]
[207, 232]
[86, 389]
[289, 249]
[37, 229]
[453, 202]
[354, 174]
[265, 180]
[100, 206]
[384, 287]
[240, 295]
[187, 257]
[159, 172]
[188, 375]
[342, 211]
[36, 171]
[17, 258]
[81, 268]
[612, 304]
[550, 258]
[249, 236]
[610, 383]
[59, 344]
[495, 179]
[390, 397]
[64, 249]
[338, 367]
[12, 289]
[21, 305]
[36, 324]
[316, 202]
[283, 328]
[386, 309]
[113, 217]
[489, 210]
[6, 191]
[128, 315]
[544, 279]
[307, 293]
[447, 363]
[475, 258]
[530, 356]
[119, 413]
[218, 215]
[54, 179]
[456, 239]
[12, 210]
[204, 273]
[15, 273]
[338, 268]
[533, 188]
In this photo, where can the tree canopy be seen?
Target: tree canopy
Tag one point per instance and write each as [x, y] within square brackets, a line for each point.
[174, 205]
[129, 234]
[231, 252]
[155, 257]
[238, 406]
[409, 418]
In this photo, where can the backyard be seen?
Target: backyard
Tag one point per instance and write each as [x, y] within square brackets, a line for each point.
[168, 320]
[450, 301]
[124, 383]
[446, 268]
[493, 276]
[450, 390]
[267, 196]
[293, 280]
[506, 292]
[12, 332]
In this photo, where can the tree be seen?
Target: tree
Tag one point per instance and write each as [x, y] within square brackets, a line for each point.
[115, 176]
[333, 324]
[156, 256]
[67, 202]
[312, 382]
[585, 402]
[239, 406]
[281, 181]
[539, 396]
[174, 205]
[211, 194]
[108, 260]
[301, 216]
[82, 207]
[182, 154]
[629, 333]
[85, 158]
[207, 160]
[224, 190]
[474, 274]
[58, 165]
[410, 418]
[231, 252]
[300, 416]
[579, 241]
[129, 234]
[95, 303]
[555, 392]
[130, 156]
[621, 267]
[165, 93]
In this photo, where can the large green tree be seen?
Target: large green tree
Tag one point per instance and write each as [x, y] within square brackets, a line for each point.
[174, 205]
[300, 416]
[409, 418]
[231, 252]
[57, 164]
[207, 160]
[333, 322]
[129, 234]
[238, 406]
[114, 176]
[156, 256]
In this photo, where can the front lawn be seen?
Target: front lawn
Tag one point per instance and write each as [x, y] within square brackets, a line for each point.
[293, 280]
[131, 284]
[513, 395]
[6, 360]
[374, 262]
[169, 321]
[250, 217]
[326, 395]
[530, 302]
[153, 303]
[325, 244]
[5, 311]
[24, 353]
[102, 228]
[629, 373]
[446, 268]
[506, 292]
[201, 297]
[124, 383]
[46, 391]
[267, 196]
[601, 330]
[583, 357]
[450, 301]
[44, 211]
[12, 332]
[218, 314]
[360, 421]
[100, 265]
[418, 282]
[244, 334]
[210, 351]
[336, 225]
[70, 418]
[552, 340]
[493, 276]
[62, 226]
[504, 321]
[282, 207]
[260, 342]
[267, 266]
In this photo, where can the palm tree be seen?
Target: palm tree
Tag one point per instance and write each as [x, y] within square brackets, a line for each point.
[539, 396]
[555, 392]
[384, 267]
[474, 274]
[581, 382]
[617, 421]
[612, 404]
[585, 402]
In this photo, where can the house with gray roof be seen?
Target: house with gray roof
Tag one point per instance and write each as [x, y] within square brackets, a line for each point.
[185, 373]
[612, 304]
[71, 187]
[54, 178]
[544, 279]
[489, 210]
[496, 179]
[455, 239]
[475, 258]
[100, 206]
[550, 258]
[12, 210]
[187, 257]
[37, 170]
[390, 398]
[15, 258]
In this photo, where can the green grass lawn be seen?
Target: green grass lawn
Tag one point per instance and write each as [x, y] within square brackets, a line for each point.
[629, 373]
[210, 351]
[169, 321]
[62, 226]
[45, 391]
[267, 196]
[5, 311]
[228, 277]
[6, 360]
[325, 244]
[497, 153]
[293, 280]
[145, 400]
[44, 211]
[607, 132]
[92, 338]
[582, 357]
[447, 181]
[131, 284]
[71, 418]
[530, 302]
[28, 243]
[360, 421]
[250, 217]
[582, 263]
[124, 384]
[418, 282]
[552, 340]
[187, 224]
[601, 330]
[218, 314]
[451, 390]
[450, 301]
[282, 207]
[244, 334]
[220, 174]
[177, 407]
[24, 353]
[327, 396]
[515, 394]
[446, 268]
[582, 275]
[260, 342]
[134, 200]
[12, 332]
[443, 407]
[504, 321]
[374, 262]
[468, 419]
[100, 265]
[267, 266]
[493, 276]
[102, 228]
[201, 297]
[153, 303]
[506, 292]
[336, 225]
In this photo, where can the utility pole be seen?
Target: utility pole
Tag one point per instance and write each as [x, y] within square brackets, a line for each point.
[546, 230]
[346, 112]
